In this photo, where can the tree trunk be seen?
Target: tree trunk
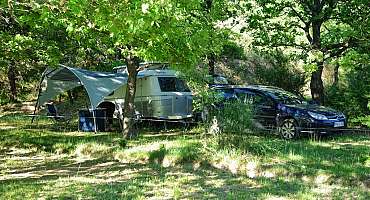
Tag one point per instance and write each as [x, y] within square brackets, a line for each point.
[316, 84]
[211, 66]
[129, 106]
[336, 75]
[12, 83]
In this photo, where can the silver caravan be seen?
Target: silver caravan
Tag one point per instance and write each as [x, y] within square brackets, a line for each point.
[160, 94]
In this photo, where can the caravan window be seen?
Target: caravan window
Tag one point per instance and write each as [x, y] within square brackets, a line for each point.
[172, 84]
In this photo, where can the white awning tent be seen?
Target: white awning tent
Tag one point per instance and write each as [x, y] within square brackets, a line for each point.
[98, 85]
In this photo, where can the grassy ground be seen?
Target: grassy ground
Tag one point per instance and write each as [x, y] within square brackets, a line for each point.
[41, 162]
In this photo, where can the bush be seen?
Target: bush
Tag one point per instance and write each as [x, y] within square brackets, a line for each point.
[268, 68]
[280, 72]
[234, 119]
[232, 51]
[352, 95]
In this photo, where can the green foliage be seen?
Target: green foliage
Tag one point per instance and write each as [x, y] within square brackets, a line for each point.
[271, 68]
[280, 72]
[169, 31]
[234, 117]
[33, 36]
[352, 95]
[232, 50]
[316, 31]
[288, 23]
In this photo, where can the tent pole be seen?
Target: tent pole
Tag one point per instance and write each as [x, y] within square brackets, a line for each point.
[94, 117]
[38, 95]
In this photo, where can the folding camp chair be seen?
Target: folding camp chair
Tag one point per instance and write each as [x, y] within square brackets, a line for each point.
[54, 114]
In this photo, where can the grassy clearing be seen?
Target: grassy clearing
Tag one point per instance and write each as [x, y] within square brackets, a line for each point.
[40, 162]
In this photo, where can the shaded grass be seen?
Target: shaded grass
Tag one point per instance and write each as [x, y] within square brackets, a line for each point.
[38, 162]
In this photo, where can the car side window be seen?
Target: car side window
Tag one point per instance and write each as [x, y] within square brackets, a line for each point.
[226, 93]
[246, 97]
[254, 99]
[263, 101]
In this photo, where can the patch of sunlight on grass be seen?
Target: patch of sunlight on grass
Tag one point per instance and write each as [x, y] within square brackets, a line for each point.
[268, 174]
[93, 150]
[367, 162]
[129, 157]
[21, 151]
[251, 169]
[357, 143]
[6, 127]
[295, 157]
[273, 197]
[233, 161]
[322, 178]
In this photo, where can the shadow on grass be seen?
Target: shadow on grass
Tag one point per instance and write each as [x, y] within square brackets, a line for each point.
[50, 141]
[342, 158]
[107, 179]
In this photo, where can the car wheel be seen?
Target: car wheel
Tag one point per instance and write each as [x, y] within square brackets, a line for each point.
[288, 129]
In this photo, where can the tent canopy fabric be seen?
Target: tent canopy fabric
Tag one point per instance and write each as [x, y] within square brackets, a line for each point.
[98, 85]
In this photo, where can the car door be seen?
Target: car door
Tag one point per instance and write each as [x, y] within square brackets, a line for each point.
[265, 111]
[263, 108]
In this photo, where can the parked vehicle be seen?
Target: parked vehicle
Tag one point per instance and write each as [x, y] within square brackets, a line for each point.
[292, 115]
[160, 94]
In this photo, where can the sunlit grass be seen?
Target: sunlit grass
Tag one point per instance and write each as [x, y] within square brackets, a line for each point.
[38, 162]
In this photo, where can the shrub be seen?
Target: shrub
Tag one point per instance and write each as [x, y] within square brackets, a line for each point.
[233, 119]
[280, 72]
[232, 50]
[352, 95]
[268, 68]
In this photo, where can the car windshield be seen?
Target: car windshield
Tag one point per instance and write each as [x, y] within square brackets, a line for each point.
[286, 97]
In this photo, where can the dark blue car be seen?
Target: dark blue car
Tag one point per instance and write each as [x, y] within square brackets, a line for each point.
[292, 115]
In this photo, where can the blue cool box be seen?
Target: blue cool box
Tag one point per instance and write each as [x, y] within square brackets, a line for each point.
[86, 120]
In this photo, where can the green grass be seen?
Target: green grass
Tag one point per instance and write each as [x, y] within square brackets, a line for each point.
[41, 162]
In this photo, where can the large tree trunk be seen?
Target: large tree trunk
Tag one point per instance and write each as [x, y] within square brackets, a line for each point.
[336, 75]
[316, 84]
[211, 66]
[12, 83]
[129, 106]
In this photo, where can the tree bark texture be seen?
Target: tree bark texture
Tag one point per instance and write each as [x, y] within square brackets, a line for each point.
[316, 84]
[211, 66]
[336, 75]
[129, 104]
[12, 83]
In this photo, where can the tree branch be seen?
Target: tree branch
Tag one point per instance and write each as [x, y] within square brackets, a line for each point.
[307, 31]
[329, 11]
[307, 6]
[289, 45]
[336, 50]
[297, 14]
